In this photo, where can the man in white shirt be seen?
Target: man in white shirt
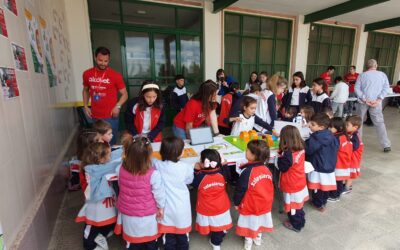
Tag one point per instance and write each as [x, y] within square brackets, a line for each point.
[339, 96]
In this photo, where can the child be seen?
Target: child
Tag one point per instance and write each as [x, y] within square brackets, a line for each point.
[247, 119]
[299, 93]
[144, 114]
[104, 129]
[320, 99]
[290, 114]
[226, 104]
[266, 108]
[222, 82]
[321, 152]
[263, 77]
[213, 214]
[293, 179]
[339, 96]
[141, 198]
[307, 112]
[254, 195]
[342, 171]
[179, 97]
[353, 124]
[327, 78]
[98, 212]
[253, 78]
[328, 111]
[176, 175]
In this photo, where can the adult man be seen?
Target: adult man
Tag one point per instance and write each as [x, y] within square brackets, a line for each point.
[101, 84]
[327, 76]
[371, 88]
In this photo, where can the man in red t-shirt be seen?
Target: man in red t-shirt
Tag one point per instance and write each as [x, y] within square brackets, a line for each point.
[350, 78]
[327, 76]
[101, 85]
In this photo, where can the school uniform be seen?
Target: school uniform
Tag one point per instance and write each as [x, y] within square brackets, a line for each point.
[358, 149]
[327, 79]
[266, 109]
[248, 123]
[294, 186]
[321, 152]
[149, 122]
[253, 196]
[223, 119]
[320, 101]
[213, 205]
[297, 97]
[179, 98]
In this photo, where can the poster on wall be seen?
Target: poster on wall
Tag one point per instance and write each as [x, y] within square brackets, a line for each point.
[11, 5]
[19, 57]
[34, 41]
[3, 27]
[9, 84]
[48, 52]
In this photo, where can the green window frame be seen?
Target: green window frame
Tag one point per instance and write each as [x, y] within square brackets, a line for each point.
[384, 48]
[255, 43]
[329, 45]
[122, 27]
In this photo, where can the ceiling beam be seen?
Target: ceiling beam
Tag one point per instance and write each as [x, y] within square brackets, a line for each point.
[222, 4]
[382, 24]
[340, 9]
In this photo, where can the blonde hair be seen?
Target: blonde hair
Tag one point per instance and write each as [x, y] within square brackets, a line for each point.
[275, 81]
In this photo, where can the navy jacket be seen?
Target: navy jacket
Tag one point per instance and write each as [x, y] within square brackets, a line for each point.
[355, 140]
[321, 150]
[179, 98]
[305, 97]
[320, 101]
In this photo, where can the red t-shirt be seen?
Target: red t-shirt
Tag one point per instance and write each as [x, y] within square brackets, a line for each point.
[396, 89]
[103, 90]
[193, 112]
[351, 80]
[327, 79]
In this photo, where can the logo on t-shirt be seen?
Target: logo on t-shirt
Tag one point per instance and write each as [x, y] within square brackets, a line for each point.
[99, 80]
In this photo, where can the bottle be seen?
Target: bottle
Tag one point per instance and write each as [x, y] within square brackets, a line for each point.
[298, 119]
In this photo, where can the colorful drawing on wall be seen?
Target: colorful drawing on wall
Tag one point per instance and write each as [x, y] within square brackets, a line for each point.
[9, 84]
[3, 27]
[2, 244]
[11, 5]
[34, 41]
[48, 52]
[19, 57]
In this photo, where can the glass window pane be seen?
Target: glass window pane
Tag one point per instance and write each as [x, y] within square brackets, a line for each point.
[190, 56]
[267, 27]
[382, 59]
[109, 39]
[246, 70]
[249, 48]
[265, 67]
[190, 19]
[346, 57]
[387, 40]
[281, 70]
[326, 34]
[266, 51]
[370, 41]
[337, 36]
[378, 41]
[134, 87]
[282, 29]
[348, 36]
[232, 49]
[148, 15]
[232, 70]
[281, 52]
[335, 55]
[109, 11]
[251, 26]
[232, 24]
[314, 30]
[165, 54]
[323, 54]
[138, 54]
[312, 53]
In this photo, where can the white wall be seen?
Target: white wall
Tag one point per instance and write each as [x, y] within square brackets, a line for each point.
[301, 35]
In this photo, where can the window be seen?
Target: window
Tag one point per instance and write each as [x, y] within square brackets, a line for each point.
[327, 46]
[149, 40]
[255, 43]
[383, 48]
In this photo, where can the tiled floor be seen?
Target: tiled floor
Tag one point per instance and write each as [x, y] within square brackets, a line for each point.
[368, 218]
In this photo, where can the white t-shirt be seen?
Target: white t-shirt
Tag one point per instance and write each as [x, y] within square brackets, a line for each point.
[295, 97]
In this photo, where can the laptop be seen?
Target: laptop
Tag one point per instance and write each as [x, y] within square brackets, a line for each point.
[201, 135]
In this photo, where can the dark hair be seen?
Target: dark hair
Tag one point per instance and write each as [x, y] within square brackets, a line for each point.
[328, 111]
[178, 77]
[212, 155]
[246, 101]
[137, 155]
[254, 87]
[85, 138]
[320, 82]
[291, 110]
[331, 67]
[234, 86]
[259, 149]
[206, 90]
[95, 152]
[290, 139]
[263, 73]
[101, 126]
[338, 79]
[321, 119]
[142, 102]
[353, 66]
[256, 81]
[340, 126]
[398, 82]
[308, 112]
[219, 71]
[300, 75]
[354, 120]
[171, 148]
[102, 50]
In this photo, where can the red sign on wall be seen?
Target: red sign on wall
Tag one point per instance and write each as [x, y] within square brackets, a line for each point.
[11, 5]
[3, 27]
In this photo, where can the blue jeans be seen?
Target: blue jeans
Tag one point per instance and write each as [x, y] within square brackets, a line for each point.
[179, 132]
[114, 125]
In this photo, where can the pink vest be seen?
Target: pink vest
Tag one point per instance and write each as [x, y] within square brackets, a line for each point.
[135, 195]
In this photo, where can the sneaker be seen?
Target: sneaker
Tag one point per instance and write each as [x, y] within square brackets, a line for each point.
[214, 247]
[101, 241]
[248, 242]
[320, 209]
[387, 149]
[330, 199]
[347, 190]
[258, 241]
[289, 226]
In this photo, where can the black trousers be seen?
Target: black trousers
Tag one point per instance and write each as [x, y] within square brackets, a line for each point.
[338, 191]
[88, 243]
[176, 242]
[151, 245]
[319, 198]
[224, 130]
[217, 237]
[298, 219]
